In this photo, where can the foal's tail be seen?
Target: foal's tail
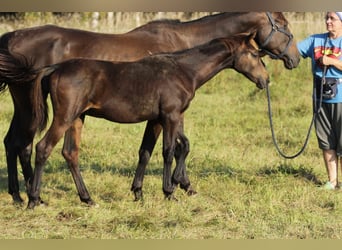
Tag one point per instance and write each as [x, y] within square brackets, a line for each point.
[39, 97]
[14, 69]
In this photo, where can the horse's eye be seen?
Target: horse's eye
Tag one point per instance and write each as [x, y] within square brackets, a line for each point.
[254, 54]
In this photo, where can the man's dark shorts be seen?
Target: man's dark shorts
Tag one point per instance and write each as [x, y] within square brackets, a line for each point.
[328, 125]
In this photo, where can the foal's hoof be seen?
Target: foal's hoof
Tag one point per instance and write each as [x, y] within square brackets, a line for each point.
[170, 197]
[36, 202]
[188, 189]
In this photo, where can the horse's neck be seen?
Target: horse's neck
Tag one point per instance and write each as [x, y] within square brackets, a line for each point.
[221, 25]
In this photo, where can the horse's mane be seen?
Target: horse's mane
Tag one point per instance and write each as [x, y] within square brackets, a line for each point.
[154, 26]
[164, 21]
[280, 16]
[204, 18]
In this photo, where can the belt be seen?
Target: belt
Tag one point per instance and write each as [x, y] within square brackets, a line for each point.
[338, 80]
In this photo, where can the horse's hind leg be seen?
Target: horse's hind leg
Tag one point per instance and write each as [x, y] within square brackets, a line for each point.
[151, 134]
[25, 162]
[18, 142]
[72, 140]
[182, 149]
[19, 139]
[12, 168]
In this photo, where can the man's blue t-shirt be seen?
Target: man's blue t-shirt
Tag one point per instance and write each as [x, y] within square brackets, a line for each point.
[316, 46]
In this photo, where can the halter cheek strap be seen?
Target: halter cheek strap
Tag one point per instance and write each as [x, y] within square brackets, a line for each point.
[276, 28]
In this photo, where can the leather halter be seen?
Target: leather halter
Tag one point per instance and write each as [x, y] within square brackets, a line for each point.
[276, 28]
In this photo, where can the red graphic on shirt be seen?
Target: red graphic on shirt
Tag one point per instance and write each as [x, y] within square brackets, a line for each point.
[333, 52]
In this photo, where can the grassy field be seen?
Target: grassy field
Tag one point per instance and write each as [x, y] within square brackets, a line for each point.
[245, 189]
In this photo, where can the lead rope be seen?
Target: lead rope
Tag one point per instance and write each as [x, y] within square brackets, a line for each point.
[315, 113]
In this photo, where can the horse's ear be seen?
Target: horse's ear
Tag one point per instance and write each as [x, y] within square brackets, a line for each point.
[247, 36]
[252, 35]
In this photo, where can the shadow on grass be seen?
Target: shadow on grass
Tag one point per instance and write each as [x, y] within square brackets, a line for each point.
[246, 176]
[3, 179]
[298, 172]
[219, 169]
[157, 170]
[125, 170]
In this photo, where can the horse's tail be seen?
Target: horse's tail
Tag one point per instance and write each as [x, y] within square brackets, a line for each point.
[17, 69]
[39, 97]
[14, 69]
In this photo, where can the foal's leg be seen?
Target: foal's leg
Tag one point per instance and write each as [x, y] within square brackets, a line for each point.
[170, 133]
[179, 175]
[43, 151]
[72, 140]
[151, 134]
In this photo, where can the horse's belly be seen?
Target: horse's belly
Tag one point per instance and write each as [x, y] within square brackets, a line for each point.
[124, 115]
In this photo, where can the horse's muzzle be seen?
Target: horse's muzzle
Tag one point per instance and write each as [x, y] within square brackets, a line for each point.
[262, 84]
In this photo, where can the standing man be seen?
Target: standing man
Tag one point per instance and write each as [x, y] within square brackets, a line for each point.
[325, 51]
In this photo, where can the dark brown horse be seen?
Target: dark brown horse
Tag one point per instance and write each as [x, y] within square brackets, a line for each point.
[50, 44]
[156, 88]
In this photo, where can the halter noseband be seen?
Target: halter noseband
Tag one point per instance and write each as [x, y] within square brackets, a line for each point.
[276, 28]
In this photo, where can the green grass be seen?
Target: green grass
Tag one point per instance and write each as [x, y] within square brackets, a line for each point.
[245, 189]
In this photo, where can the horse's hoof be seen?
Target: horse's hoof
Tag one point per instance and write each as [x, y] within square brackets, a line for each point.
[17, 199]
[32, 204]
[138, 195]
[92, 203]
[89, 202]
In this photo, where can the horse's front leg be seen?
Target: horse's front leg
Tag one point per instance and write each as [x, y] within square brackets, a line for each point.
[151, 134]
[71, 146]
